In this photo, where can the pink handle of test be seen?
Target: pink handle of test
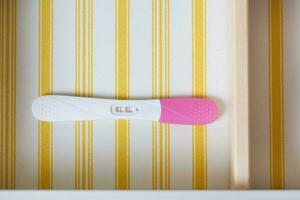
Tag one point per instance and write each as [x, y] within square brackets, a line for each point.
[188, 111]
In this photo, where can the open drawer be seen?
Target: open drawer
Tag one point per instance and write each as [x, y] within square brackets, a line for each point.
[146, 49]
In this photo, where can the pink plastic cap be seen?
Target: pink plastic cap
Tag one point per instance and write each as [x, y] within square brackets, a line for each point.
[188, 111]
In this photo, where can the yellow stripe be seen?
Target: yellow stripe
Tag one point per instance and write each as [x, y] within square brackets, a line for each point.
[84, 87]
[160, 39]
[160, 89]
[122, 151]
[83, 154]
[7, 100]
[13, 148]
[167, 82]
[90, 93]
[276, 95]
[199, 90]
[2, 91]
[76, 155]
[84, 48]
[13, 112]
[166, 92]
[122, 92]
[160, 95]
[90, 155]
[161, 156]
[7, 91]
[83, 93]
[45, 87]
[169, 159]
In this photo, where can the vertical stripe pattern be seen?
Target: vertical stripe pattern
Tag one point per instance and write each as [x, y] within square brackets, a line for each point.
[45, 87]
[276, 94]
[199, 90]
[8, 94]
[122, 85]
[84, 87]
[160, 89]
[40, 70]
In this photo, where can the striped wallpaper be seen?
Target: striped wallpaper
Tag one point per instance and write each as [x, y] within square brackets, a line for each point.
[84, 87]
[160, 89]
[121, 49]
[8, 94]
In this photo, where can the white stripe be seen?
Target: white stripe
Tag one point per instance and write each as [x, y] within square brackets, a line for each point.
[63, 83]
[27, 54]
[141, 87]
[292, 96]
[104, 140]
[181, 85]
[218, 70]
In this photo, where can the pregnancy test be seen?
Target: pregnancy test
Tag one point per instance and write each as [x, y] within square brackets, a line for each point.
[186, 111]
